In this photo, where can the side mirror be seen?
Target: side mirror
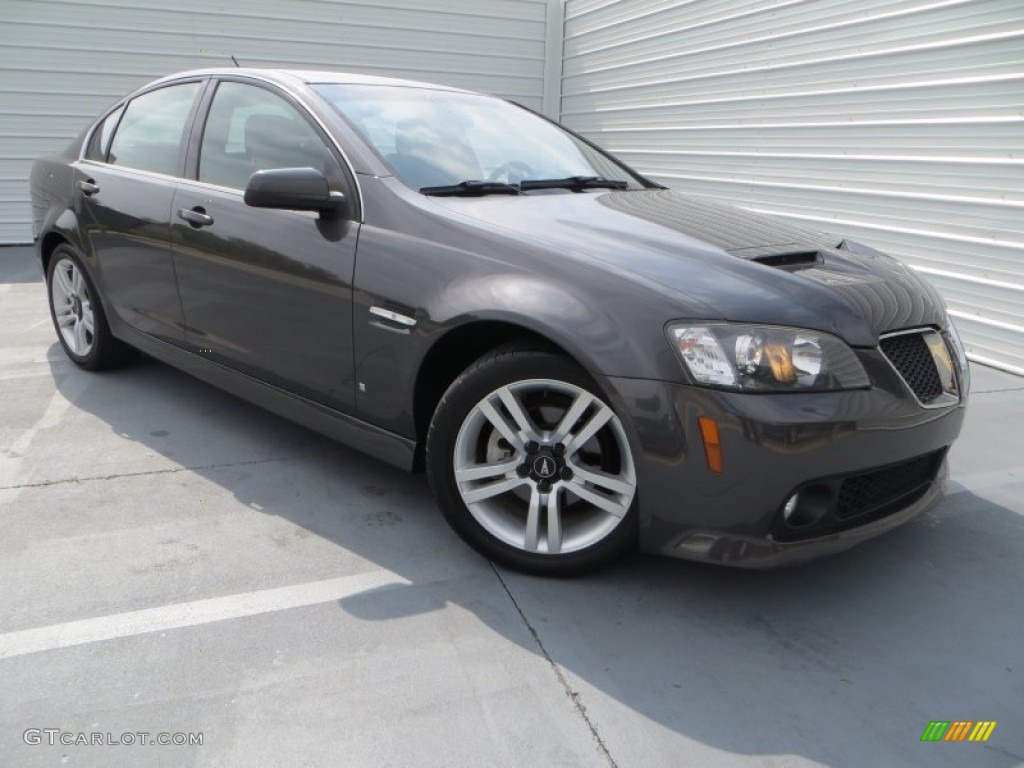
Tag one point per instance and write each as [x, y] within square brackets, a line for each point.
[293, 189]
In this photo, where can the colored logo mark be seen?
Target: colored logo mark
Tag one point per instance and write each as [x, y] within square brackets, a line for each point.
[958, 730]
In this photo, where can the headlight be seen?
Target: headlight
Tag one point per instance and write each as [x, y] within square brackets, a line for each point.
[766, 358]
[961, 356]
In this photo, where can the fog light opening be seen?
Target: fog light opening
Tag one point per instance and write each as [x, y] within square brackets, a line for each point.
[790, 508]
[806, 507]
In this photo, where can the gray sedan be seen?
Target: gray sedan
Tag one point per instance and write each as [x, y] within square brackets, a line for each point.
[582, 361]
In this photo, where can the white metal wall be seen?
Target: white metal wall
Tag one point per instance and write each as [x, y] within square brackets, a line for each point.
[897, 122]
[62, 61]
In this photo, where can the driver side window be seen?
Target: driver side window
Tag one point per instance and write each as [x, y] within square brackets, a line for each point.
[251, 129]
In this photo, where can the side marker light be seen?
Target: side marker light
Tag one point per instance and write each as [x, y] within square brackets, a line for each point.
[712, 443]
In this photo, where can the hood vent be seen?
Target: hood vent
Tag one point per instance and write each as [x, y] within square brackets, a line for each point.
[795, 259]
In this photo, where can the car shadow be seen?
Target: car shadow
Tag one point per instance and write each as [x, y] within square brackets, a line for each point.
[842, 661]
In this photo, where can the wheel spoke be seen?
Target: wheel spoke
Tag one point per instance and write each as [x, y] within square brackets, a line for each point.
[493, 489]
[602, 480]
[77, 282]
[79, 339]
[601, 417]
[609, 505]
[555, 521]
[65, 316]
[485, 471]
[533, 521]
[499, 423]
[63, 280]
[579, 405]
[87, 321]
[527, 431]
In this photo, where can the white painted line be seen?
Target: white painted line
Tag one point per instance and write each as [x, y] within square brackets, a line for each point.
[180, 615]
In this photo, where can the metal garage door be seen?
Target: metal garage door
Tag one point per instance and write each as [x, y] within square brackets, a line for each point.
[898, 123]
[64, 60]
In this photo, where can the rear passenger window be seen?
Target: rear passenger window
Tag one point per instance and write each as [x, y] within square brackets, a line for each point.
[100, 140]
[150, 135]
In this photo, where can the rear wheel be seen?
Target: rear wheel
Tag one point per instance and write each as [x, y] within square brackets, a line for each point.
[531, 466]
[78, 314]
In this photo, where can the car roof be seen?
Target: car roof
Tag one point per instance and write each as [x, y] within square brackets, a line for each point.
[306, 77]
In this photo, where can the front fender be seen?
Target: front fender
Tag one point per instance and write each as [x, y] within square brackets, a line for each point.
[443, 273]
[609, 337]
[587, 330]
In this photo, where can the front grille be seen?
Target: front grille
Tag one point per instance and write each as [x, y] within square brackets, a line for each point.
[910, 355]
[867, 493]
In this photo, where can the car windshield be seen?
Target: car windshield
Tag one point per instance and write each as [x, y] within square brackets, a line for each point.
[434, 139]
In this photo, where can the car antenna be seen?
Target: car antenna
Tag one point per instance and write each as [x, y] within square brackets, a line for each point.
[234, 60]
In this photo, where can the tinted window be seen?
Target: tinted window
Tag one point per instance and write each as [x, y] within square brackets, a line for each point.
[100, 140]
[151, 131]
[251, 129]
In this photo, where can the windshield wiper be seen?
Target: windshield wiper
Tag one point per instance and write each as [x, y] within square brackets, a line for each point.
[471, 189]
[575, 183]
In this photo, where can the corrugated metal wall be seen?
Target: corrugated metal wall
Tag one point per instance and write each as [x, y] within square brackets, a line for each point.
[898, 123]
[65, 60]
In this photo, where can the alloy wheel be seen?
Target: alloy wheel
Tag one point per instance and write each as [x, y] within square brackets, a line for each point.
[544, 466]
[72, 307]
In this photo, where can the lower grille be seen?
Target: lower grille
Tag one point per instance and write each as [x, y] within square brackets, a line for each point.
[838, 503]
[863, 494]
[910, 355]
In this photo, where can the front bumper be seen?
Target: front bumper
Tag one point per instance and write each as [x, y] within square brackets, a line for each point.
[772, 446]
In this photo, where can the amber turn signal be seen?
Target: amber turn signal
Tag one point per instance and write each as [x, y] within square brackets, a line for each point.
[712, 443]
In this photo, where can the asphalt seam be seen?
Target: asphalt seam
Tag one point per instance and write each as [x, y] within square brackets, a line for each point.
[168, 471]
[573, 696]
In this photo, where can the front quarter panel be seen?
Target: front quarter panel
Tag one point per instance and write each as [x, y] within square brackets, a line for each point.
[445, 273]
[444, 289]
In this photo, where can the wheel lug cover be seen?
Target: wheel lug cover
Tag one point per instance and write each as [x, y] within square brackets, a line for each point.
[532, 447]
[522, 470]
[558, 450]
[544, 486]
[566, 473]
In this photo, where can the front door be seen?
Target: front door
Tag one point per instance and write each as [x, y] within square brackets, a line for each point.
[266, 292]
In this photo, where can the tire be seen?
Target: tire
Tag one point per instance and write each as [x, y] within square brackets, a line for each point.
[78, 316]
[530, 465]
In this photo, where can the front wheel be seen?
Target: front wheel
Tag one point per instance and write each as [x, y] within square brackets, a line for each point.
[531, 466]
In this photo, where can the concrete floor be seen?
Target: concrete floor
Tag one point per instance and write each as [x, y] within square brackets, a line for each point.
[175, 560]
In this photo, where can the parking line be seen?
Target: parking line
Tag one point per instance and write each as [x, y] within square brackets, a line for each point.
[178, 615]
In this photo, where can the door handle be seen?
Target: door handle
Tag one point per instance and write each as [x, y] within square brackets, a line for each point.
[88, 187]
[196, 216]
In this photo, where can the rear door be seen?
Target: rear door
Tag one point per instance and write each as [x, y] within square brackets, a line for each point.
[124, 187]
[266, 292]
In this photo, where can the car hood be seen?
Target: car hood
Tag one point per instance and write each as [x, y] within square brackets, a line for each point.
[743, 266]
